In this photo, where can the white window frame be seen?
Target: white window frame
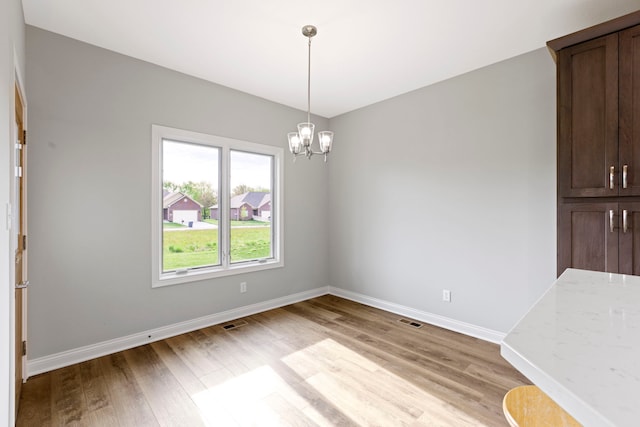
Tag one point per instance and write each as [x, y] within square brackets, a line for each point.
[226, 268]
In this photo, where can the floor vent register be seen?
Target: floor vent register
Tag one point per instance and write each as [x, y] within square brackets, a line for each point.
[410, 323]
[233, 324]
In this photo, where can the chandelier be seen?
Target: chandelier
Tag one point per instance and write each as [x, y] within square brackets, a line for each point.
[300, 142]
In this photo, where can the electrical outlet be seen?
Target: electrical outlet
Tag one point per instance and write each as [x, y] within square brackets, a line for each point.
[446, 295]
[243, 287]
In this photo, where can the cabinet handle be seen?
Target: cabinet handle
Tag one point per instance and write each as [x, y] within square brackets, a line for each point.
[612, 173]
[611, 220]
[625, 169]
[625, 226]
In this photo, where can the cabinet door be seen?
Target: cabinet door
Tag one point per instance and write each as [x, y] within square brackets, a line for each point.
[629, 105]
[588, 236]
[629, 238]
[588, 119]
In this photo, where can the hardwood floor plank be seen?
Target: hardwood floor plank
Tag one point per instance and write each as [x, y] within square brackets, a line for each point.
[170, 403]
[386, 325]
[224, 350]
[216, 378]
[310, 401]
[428, 335]
[322, 362]
[35, 405]
[281, 411]
[193, 355]
[69, 405]
[362, 408]
[438, 372]
[96, 391]
[443, 369]
[486, 398]
[215, 411]
[127, 397]
[443, 415]
[181, 371]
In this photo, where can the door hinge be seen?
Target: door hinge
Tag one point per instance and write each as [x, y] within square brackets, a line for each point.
[24, 348]
[24, 242]
[24, 137]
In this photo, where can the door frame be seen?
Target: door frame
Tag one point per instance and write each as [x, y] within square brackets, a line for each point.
[20, 88]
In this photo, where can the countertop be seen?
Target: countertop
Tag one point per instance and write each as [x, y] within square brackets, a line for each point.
[580, 343]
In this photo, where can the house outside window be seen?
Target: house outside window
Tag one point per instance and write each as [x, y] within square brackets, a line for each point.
[216, 206]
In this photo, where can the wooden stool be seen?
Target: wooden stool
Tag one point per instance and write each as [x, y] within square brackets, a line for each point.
[528, 406]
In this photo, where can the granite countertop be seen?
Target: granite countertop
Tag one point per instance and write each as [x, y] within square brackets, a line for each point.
[580, 343]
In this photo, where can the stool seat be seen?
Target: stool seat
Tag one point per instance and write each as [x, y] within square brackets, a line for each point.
[528, 406]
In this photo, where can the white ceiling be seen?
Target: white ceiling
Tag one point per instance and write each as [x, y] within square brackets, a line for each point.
[365, 51]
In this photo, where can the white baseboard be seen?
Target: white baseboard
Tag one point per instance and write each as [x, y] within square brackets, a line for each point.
[77, 355]
[423, 316]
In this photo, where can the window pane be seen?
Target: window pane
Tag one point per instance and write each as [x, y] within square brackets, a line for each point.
[190, 179]
[250, 207]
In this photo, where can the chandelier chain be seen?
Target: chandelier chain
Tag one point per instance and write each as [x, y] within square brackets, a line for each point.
[309, 84]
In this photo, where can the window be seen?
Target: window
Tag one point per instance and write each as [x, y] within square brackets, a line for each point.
[216, 206]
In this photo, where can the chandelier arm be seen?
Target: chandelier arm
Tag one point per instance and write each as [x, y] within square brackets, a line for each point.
[317, 152]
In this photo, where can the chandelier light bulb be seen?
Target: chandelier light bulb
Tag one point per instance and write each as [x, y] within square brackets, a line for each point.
[305, 130]
[325, 139]
[295, 144]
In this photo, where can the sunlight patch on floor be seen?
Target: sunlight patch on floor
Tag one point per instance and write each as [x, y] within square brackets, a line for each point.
[368, 393]
[333, 377]
[259, 397]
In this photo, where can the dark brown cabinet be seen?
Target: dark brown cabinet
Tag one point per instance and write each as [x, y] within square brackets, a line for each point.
[587, 241]
[629, 111]
[588, 119]
[600, 236]
[598, 78]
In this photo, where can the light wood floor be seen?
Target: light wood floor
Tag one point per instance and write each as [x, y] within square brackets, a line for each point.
[326, 361]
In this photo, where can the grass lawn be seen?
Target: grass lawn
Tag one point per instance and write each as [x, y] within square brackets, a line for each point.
[194, 248]
[166, 224]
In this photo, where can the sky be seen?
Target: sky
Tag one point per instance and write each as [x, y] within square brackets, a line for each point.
[184, 162]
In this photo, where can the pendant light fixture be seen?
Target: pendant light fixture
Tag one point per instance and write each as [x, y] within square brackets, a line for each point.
[300, 142]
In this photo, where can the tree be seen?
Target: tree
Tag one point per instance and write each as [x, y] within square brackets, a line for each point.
[206, 196]
[244, 188]
[241, 189]
[189, 188]
[171, 186]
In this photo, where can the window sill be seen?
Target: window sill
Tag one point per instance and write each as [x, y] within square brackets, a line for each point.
[169, 279]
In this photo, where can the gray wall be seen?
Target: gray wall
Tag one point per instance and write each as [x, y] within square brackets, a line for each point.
[91, 112]
[450, 186]
[12, 57]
